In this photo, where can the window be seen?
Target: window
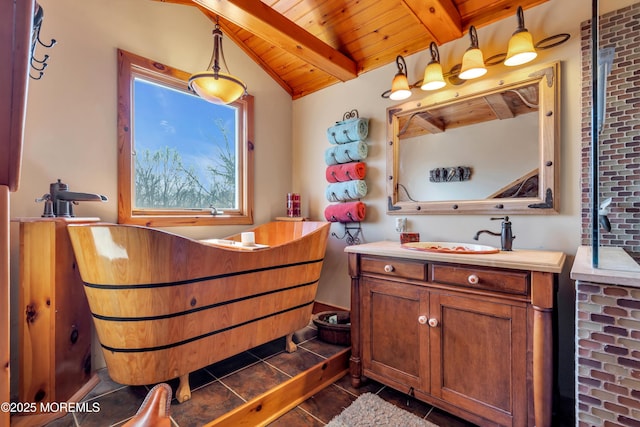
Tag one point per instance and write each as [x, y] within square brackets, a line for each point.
[181, 160]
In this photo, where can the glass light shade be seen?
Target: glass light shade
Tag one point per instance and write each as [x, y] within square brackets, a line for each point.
[400, 88]
[433, 78]
[219, 89]
[520, 49]
[472, 64]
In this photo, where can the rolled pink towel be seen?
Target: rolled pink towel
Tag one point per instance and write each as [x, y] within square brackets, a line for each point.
[345, 212]
[346, 172]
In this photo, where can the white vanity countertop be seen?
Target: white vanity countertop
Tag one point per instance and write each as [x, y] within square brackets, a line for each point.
[615, 267]
[521, 259]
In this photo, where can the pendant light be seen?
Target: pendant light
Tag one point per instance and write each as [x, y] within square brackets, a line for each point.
[433, 77]
[212, 85]
[521, 48]
[473, 60]
[400, 86]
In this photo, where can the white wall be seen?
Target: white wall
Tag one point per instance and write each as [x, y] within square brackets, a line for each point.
[71, 113]
[71, 128]
[314, 113]
[495, 157]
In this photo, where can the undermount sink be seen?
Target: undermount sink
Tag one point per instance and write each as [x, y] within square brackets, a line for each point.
[451, 247]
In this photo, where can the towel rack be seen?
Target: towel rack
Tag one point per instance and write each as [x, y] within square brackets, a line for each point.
[353, 114]
[352, 230]
[351, 238]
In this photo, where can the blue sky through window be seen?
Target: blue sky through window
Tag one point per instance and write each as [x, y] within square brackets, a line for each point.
[178, 121]
[166, 117]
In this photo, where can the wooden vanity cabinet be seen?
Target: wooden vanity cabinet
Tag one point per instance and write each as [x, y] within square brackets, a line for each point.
[457, 336]
[55, 321]
[389, 356]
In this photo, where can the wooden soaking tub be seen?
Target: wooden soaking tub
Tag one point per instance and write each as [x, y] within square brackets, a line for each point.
[165, 305]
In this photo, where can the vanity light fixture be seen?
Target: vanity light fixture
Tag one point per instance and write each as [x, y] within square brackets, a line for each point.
[473, 60]
[400, 86]
[473, 63]
[213, 85]
[433, 77]
[521, 48]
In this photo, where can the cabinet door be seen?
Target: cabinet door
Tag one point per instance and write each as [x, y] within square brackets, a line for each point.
[479, 357]
[55, 326]
[394, 344]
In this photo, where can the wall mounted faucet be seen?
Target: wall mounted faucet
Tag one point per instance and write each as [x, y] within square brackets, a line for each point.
[59, 201]
[506, 234]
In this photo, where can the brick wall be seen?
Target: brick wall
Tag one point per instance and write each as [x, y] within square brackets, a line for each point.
[619, 161]
[608, 316]
[608, 355]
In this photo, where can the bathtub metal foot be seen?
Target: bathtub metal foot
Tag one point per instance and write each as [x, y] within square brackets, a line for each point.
[291, 346]
[184, 391]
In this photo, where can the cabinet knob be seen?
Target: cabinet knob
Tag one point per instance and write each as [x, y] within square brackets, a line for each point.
[422, 320]
[433, 322]
[388, 268]
[473, 279]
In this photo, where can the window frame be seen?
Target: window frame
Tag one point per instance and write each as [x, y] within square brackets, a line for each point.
[131, 66]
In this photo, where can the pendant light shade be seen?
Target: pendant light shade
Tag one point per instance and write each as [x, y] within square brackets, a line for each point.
[433, 77]
[521, 48]
[400, 86]
[219, 88]
[212, 85]
[473, 60]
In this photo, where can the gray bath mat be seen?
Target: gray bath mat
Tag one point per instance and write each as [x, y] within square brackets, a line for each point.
[369, 410]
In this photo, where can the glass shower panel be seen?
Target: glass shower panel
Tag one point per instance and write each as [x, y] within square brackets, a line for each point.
[615, 137]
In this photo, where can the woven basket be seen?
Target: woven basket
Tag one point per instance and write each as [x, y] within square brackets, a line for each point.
[334, 333]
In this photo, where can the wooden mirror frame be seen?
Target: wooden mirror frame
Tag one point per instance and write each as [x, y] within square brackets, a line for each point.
[546, 202]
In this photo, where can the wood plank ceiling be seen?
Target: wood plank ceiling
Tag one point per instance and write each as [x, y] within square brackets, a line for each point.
[308, 45]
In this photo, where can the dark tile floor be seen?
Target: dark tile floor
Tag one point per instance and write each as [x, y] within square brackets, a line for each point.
[226, 385]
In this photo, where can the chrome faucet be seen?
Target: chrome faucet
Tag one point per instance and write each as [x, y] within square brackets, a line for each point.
[506, 235]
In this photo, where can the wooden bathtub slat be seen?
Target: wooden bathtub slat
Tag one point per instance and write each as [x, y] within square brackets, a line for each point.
[117, 302]
[145, 305]
[274, 403]
[142, 341]
[138, 272]
[201, 279]
[157, 366]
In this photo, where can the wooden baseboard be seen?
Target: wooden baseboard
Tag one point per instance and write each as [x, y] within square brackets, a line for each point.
[37, 420]
[319, 307]
[274, 403]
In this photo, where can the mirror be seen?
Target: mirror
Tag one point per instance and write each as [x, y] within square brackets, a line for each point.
[488, 147]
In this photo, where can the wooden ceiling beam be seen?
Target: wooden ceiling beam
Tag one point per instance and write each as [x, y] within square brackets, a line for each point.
[248, 51]
[439, 17]
[274, 28]
[480, 13]
[229, 32]
[184, 2]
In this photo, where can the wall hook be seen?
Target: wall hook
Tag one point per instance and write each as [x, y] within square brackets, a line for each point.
[38, 64]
